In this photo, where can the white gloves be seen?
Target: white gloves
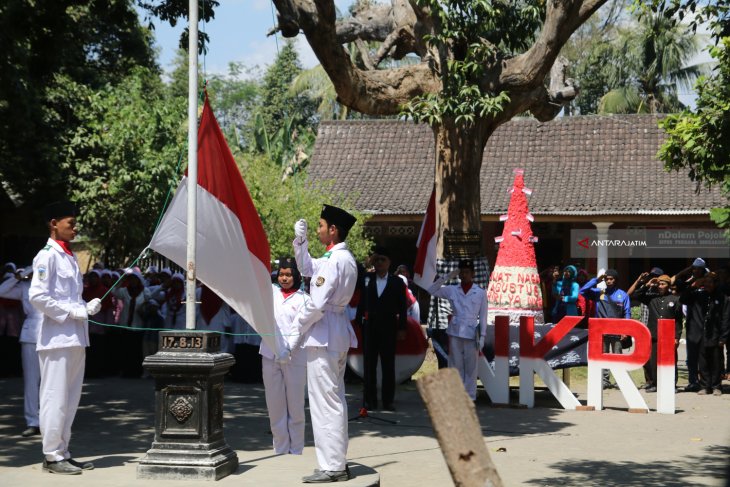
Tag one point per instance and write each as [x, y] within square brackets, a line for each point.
[283, 357]
[481, 342]
[93, 306]
[78, 312]
[300, 230]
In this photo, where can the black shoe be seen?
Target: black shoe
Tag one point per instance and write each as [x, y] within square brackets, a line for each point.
[324, 476]
[694, 387]
[81, 465]
[650, 389]
[61, 467]
[31, 431]
[389, 407]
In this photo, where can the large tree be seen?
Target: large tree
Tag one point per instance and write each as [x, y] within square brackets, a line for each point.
[482, 62]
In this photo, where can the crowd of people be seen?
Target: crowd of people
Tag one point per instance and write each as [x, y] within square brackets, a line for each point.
[696, 298]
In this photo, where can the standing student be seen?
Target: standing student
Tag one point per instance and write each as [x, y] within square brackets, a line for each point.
[468, 325]
[285, 380]
[327, 335]
[55, 291]
[18, 288]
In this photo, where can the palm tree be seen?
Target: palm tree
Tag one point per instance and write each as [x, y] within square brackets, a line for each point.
[651, 66]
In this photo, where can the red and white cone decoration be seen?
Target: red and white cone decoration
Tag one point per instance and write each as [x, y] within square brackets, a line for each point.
[514, 285]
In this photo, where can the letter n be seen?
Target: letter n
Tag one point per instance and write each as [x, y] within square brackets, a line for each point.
[496, 381]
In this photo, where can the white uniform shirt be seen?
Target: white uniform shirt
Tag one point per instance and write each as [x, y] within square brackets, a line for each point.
[18, 290]
[322, 322]
[469, 309]
[285, 311]
[55, 290]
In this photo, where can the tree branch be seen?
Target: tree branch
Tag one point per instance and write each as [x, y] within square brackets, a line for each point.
[528, 70]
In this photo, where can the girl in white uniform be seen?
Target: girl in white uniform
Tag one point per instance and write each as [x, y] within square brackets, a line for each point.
[285, 379]
[17, 288]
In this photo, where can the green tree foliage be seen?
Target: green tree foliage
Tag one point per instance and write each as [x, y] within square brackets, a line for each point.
[590, 53]
[45, 43]
[235, 96]
[626, 62]
[171, 10]
[699, 140]
[122, 159]
[281, 203]
[277, 102]
[649, 65]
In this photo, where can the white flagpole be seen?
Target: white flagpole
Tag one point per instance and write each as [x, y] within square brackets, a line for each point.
[190, 314]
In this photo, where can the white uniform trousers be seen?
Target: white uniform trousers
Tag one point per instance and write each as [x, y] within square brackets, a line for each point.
[31, 383]
[328, 406]
[463, 355]
[62, 375]
[285, 385]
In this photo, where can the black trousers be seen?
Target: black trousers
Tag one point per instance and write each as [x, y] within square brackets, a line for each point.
[439, 336]
[379, 342]
[710, 365]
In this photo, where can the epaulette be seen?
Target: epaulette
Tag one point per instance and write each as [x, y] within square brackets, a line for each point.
[47, 247]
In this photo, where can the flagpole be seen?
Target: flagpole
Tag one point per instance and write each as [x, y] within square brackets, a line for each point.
[190, 314]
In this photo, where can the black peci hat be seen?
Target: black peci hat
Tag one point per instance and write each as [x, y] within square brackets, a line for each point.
[380, 250]
[466, 264]
[58, 210]
[338, 217]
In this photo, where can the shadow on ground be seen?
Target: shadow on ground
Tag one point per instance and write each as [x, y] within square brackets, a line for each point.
[115, 421]
[690, 470]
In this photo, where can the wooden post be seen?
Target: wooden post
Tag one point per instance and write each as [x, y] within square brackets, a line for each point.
[457, 429]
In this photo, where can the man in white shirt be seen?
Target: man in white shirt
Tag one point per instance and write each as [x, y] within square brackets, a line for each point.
[468, 324]
[55, 291]
[327, 335]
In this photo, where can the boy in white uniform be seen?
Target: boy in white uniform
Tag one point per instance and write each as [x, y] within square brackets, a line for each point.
[468, 323]
[327, 335]
[55, 291]
[285, 381]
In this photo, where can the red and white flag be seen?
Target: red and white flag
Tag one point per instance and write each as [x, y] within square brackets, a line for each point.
[424, 270]
[232, 251]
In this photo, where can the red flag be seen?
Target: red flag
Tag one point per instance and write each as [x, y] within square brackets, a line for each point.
[424, 270]
[233, 256]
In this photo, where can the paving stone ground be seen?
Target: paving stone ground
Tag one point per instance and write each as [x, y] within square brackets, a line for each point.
[545, 446]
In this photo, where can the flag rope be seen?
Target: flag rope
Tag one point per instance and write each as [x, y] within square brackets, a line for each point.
[133, 328]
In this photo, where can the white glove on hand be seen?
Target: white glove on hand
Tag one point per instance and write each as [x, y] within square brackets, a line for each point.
[300, 230]
[451, 275]
[78, 312]
[283, 357]
[93, 306]
[481, 342]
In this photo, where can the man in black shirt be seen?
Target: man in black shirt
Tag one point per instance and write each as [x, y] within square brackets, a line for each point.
[662, 305]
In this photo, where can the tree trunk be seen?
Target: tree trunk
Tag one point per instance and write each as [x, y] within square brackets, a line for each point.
[459, 151]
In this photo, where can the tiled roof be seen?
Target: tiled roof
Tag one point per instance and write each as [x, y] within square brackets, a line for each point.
[589, 165]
